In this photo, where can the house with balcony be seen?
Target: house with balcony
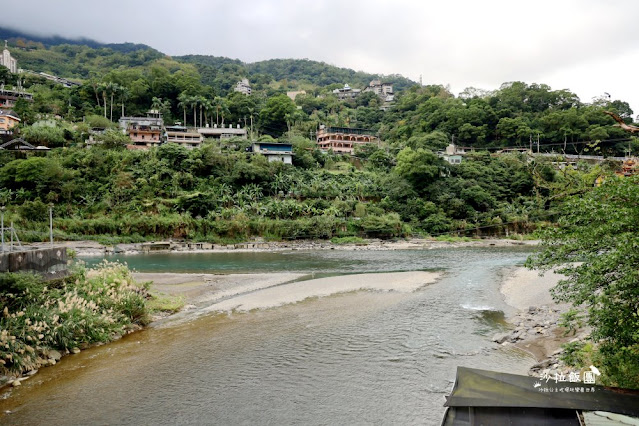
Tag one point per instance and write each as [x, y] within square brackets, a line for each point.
[144, 132]
[346, 92]
[182, 136]
[274, 152]
[343, 140]
[222, 132]
[8, 120]
[9, 97]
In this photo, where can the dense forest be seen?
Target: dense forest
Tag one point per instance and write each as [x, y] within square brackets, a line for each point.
[221, 192]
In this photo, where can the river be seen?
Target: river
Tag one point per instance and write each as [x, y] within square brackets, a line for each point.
[362, 357]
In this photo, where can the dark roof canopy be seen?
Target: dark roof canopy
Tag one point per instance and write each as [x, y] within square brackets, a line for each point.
[497, 397]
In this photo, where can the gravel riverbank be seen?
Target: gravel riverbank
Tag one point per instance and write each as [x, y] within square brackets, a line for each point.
[535, 327]
[93, 248]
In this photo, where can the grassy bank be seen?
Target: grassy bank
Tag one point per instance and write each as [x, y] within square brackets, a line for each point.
[41, 320]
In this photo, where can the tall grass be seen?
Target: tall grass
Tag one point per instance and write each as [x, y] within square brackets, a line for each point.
[93, 305]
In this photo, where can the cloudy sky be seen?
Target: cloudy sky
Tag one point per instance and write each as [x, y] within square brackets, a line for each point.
[588, 46]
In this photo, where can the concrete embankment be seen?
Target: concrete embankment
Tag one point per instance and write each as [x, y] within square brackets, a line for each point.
[50, 262]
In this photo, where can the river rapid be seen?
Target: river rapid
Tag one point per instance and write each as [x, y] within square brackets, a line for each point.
[363, 357]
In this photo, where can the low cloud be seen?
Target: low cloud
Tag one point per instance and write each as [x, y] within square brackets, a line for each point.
[461, 43]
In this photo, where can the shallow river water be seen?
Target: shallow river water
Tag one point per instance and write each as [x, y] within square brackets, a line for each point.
[357, 358]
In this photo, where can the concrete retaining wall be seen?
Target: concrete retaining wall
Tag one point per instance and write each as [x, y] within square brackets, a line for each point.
[49, 261]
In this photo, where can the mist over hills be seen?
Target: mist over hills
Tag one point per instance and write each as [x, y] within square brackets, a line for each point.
[82, 57]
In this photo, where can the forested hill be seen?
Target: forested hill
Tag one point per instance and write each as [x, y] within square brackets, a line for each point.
[84, 58]
[302, 71]
[30, 41]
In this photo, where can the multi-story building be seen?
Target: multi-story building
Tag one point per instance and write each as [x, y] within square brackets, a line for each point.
[384, 91]
[343, 140]
[182, 136]
[8, 98]
[7, 60]
[144, 132]
[8, 120]
[222, 132]
[243, 86]
[379, 88]
[346, 92]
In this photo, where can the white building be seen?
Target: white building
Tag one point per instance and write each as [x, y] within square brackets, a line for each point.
[222, 132]
[379, 88]
[280, 152]
[243, 86]
[7, 60]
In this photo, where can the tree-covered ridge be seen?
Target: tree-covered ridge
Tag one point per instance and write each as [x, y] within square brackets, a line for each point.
[27, 40]
[84, 58]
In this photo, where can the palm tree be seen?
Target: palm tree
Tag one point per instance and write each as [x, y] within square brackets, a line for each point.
[113, 89]
[183, 99]
[193, 101]
[124, 95]
[102, 88]
[208, 107]
[156, 103]
[201, 101]
[217, 103]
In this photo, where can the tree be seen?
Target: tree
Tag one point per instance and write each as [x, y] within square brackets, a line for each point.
[420, 167]
[273, 115]
[183, 100]
[596, 246]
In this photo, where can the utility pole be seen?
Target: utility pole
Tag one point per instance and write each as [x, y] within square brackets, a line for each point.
[51, 223]
[530, 138]
[537, 143]
[252, 128]
[2, 226]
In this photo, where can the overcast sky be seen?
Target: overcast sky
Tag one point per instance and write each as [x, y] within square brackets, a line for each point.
[588, 46]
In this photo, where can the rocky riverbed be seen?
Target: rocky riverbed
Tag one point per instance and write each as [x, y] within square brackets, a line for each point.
[535, 327]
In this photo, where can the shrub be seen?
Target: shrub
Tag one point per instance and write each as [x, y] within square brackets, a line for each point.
[95, 305]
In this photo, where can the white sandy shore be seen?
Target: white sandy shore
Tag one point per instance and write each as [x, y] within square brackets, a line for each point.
[523, 288]
[205, 293]
[198, 289]
[296, 292]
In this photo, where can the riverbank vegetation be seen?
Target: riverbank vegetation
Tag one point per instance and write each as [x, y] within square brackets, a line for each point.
[42, 320]
[222, 193]
[595, 245]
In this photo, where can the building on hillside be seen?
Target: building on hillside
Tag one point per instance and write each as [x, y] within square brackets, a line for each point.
[280, 152]
[95, 133]
[182, 136]
[454, 153]
[8, 61]
[8, 98]
[60, 80]
[343, 140]
[346, 92]
[243, 86]
[294, 94]
[144, 132]
[8, 120]
[379, 88]
[222, 132]
[384, 91]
